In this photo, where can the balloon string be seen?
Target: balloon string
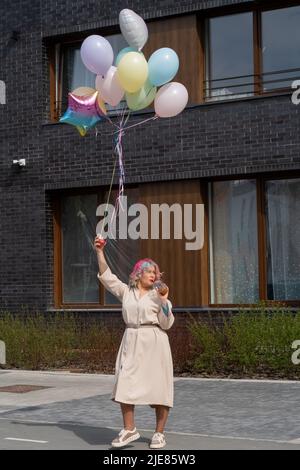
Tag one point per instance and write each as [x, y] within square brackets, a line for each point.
[118, 150]
[109, 192]
[110, 121]
[142, 122]
[119, 154]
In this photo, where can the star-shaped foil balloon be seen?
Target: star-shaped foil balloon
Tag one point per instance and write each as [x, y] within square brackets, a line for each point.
[85, 109]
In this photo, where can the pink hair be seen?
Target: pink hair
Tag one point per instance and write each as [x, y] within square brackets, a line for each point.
[139, 268]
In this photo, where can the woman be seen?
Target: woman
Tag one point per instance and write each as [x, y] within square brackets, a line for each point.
[144, 367]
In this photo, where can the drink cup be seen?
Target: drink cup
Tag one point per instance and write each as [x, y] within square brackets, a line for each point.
[161, 287]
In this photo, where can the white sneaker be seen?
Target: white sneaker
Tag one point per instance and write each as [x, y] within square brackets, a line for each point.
[158, 441]
[125, 437]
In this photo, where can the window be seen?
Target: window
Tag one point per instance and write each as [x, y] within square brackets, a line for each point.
[71, 73]
[79, 267]
[254, 241]
[233, 242]
[283, 239]
[251, 53]
[230, 56]
[76, 263]
[280, 47]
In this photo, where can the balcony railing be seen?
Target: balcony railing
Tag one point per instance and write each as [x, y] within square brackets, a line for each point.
[223, 88]
[250, 85]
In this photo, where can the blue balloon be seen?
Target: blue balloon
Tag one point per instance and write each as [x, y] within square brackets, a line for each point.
[123, 52]
[163, 66]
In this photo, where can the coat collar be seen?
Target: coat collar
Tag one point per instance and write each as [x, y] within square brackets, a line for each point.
[137, 294]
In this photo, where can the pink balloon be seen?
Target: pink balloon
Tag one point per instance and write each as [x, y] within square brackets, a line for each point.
[170, 100]
[109, 87]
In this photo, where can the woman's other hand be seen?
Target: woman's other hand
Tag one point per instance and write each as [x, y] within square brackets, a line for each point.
[164, 296]
[162, 290]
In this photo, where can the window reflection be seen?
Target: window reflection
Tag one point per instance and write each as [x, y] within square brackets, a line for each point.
[75, 74]
[280, 46]
[233, 242]
[230, 56]
[283, 239]
[79, 270]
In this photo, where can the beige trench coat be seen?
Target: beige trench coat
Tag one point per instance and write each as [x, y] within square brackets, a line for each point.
[144, 366]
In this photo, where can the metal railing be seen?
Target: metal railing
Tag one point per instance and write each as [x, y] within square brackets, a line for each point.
[249, 85]
[224, 88]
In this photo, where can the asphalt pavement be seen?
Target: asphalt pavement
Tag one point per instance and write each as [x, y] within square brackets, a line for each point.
[71, 411]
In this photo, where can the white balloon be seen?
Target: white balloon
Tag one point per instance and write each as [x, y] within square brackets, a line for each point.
[134, 28]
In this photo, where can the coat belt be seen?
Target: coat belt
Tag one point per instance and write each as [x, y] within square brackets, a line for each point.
[143, 325]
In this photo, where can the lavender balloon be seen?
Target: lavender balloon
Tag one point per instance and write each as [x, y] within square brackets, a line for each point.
[97, 54]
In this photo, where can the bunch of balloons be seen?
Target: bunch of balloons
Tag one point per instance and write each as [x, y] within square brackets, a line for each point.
[130, 77]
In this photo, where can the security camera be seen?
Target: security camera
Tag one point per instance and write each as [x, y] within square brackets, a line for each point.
[21, 162]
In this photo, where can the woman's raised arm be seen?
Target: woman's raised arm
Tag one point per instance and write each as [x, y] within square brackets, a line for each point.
[99, 245]
[110, 281]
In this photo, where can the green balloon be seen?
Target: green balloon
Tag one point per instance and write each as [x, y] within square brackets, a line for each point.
[141, 98]
[123, 52]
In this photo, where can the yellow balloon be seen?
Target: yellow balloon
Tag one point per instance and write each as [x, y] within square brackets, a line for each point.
[83, 91]
[132, 71]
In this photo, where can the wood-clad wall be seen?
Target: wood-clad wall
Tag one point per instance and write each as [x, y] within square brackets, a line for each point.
[180, 34]
[182, 267]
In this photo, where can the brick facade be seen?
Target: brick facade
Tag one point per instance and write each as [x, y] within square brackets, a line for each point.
[208, 140]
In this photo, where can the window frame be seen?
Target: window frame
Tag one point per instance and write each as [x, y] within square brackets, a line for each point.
[261, 180]
[55, 55]
[58, 259]
[257, 11]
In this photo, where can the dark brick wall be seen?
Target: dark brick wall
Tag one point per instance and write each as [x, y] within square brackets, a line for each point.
[61, 16]
[240, 137]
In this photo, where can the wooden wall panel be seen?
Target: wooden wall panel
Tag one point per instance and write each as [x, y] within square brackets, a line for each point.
[180, 34]
[182, 267]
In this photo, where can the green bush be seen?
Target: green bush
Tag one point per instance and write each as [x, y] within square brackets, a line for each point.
[34, 341]
[208, 341]
[253, 341]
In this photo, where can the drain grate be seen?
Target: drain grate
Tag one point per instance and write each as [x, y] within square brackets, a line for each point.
[20, 388]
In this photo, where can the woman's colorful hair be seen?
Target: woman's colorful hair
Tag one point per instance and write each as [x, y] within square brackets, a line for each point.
[138, 269]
